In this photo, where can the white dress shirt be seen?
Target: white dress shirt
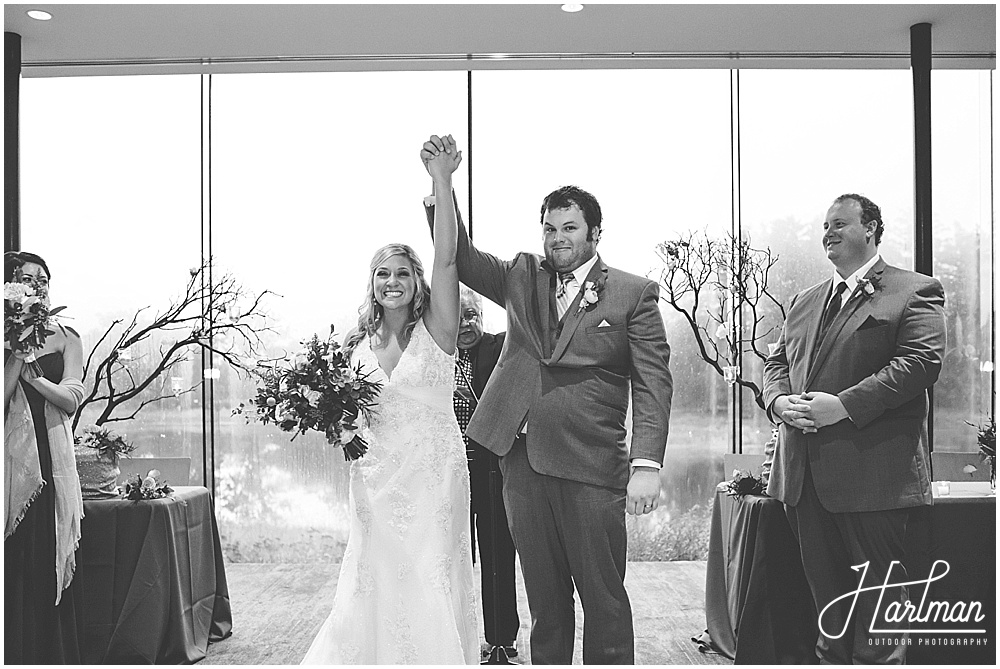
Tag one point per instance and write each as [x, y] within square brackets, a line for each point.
[852, 280]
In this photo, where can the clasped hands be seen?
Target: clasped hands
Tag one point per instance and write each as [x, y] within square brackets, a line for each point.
[440, 156]
[28, 372]
[810, 411]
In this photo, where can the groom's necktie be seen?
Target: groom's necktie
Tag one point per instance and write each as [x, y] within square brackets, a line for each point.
[831, 310]
[564, 292]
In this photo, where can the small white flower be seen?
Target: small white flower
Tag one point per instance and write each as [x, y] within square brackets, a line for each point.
[969, 469]
[346, 436]
[722, 331]
[868, 286]
[590, 295]
[17, 291]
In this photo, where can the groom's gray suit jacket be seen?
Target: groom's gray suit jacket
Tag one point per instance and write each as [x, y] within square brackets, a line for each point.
[572, 379]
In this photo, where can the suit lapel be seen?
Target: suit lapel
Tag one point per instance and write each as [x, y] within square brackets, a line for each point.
[599, 275]
[850, 312]
[815, 312]
[544, 283]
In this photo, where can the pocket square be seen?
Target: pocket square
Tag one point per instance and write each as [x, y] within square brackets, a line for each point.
[871, 322]
[604, 324]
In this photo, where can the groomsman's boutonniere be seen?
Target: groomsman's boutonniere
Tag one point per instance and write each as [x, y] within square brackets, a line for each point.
[868, 286]
[589, 295]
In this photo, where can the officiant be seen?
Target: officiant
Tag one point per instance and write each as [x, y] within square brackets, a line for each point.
[478, 353]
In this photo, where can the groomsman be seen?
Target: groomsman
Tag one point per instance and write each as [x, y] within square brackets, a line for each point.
[848, 381]
[477, 356]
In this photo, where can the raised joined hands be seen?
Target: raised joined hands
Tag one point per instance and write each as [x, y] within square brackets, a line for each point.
[440, 156]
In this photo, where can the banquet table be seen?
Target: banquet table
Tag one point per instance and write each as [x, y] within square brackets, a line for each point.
[153, 580]
[757, 603]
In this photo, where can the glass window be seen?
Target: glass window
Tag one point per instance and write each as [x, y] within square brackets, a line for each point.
[653, 146]
[961, 113]
[109, 172]
[311, 173]
[806, 137]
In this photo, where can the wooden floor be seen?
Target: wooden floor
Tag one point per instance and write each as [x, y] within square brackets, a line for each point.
[278, 608]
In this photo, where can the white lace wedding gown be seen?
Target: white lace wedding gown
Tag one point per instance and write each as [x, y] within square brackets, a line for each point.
[406, 593]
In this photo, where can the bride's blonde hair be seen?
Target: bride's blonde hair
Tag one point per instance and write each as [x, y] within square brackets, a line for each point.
[371, 313]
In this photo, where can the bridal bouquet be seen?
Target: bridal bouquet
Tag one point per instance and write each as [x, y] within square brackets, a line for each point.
[316, 390]
[25, 321]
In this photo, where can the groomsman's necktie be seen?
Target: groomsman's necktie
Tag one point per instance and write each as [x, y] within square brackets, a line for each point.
[831, 309]
[564, 293]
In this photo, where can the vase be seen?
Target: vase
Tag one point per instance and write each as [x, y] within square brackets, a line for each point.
[98, 471]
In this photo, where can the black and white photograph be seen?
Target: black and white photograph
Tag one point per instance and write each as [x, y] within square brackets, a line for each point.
[538, 333]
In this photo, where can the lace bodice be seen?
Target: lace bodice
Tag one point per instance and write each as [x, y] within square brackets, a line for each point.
[422, 365]
[424, 373]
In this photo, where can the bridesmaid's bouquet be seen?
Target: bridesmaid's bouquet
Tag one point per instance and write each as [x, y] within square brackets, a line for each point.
[26, 318]
[316, 390]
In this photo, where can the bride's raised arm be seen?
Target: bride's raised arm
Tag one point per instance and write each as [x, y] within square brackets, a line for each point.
[442, 314]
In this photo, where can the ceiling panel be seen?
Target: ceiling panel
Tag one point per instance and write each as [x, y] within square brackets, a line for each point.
[125, 39]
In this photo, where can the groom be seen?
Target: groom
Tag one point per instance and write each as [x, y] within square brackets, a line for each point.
[581, 338]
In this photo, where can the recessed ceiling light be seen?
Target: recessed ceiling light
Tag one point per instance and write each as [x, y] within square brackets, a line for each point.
[38, 15]
[572, 8]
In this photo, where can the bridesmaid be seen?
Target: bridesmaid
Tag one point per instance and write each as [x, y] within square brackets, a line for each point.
[42, 611]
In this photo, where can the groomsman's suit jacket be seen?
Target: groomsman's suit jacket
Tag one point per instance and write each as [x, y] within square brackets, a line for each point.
[572, 378]
[879, 356]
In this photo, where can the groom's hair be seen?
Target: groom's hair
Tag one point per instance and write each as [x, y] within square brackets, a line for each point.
[566, 197]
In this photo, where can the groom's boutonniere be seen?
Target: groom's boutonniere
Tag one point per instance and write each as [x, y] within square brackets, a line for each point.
[589, 295]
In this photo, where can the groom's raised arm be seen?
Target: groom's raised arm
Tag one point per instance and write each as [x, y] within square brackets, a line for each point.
[482, 272]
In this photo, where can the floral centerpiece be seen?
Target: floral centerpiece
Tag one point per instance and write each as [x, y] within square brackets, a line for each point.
[138, 488]
[744, 483]
[316, 390]
[26, 318]
[97, 452]
[987, 438]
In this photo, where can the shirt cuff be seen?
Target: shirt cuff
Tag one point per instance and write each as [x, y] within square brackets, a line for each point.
[643, 462]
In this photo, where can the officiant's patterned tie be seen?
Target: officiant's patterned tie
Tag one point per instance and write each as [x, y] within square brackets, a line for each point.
[462, 406]
[565, 292]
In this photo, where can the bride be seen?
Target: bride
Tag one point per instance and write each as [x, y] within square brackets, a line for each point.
[406, 593]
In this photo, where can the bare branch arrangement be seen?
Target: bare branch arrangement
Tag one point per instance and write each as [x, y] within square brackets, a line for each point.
[212, 315]
[720, 287]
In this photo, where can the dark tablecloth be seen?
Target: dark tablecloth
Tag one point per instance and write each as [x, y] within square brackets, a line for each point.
[757, 603]
[153, 580]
